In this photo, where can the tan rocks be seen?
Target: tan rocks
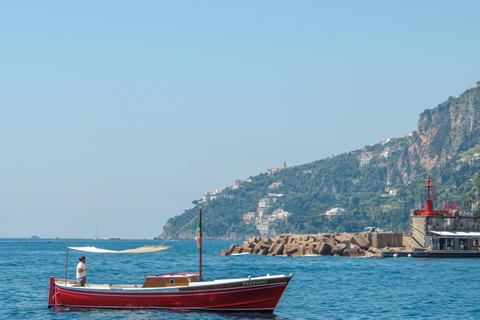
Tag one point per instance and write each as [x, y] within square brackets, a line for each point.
[324, 249]
[338, 249]
[345, 244]
[361, 241]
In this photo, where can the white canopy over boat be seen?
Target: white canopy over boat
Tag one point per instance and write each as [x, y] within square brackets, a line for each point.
[143, 249]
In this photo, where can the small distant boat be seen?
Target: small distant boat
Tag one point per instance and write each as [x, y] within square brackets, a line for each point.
[175, 291]
[34, 237]
[112, 238]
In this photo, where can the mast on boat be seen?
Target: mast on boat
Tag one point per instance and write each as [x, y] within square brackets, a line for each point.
[200, 242]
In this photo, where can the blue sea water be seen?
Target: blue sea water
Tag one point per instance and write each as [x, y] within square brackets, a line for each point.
[322, 287]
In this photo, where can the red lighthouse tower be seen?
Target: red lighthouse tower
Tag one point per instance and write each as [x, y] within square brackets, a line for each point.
[428, 211]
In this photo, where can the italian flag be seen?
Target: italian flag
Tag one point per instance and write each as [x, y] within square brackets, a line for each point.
[198, 235]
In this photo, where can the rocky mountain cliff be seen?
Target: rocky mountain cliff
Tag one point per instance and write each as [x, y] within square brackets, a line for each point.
[442, 132]
[374, 186]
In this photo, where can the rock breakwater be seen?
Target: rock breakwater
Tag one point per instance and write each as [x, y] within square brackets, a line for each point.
[344, 244]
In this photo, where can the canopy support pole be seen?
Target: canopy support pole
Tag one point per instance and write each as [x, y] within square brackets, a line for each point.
[66, 268]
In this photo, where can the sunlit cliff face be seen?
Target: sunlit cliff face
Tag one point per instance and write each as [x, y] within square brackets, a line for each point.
[442, 132]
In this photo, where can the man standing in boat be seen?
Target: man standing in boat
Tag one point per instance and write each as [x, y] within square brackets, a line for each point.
[81, 274]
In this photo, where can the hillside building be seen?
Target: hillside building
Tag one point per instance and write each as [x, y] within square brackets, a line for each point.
[334, 211]
[276, 169]
[265, 229]
[365, 158]
[249, 217]
[213, 195]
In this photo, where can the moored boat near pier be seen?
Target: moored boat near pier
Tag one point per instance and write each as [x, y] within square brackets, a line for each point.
[176, 291]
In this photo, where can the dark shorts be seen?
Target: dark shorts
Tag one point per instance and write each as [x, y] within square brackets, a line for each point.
[81, 281]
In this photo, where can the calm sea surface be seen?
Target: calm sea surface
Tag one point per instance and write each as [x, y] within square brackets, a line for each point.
[322, 287]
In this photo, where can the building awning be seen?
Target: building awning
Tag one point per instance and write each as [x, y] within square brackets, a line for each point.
[457, 234]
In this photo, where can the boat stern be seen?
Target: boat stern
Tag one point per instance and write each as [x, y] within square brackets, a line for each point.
[51, 293]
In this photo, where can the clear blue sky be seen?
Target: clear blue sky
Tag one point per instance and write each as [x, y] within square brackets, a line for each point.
[118, 114]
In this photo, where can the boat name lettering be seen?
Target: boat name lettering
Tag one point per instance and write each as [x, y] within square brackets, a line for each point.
[254, 283]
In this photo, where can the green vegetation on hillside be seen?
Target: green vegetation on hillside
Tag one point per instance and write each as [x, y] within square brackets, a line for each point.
[342, 181]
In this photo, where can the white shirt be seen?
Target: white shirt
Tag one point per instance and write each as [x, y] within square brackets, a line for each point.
[81, 274]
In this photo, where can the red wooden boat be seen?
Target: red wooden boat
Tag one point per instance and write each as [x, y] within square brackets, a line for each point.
[179, 291]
